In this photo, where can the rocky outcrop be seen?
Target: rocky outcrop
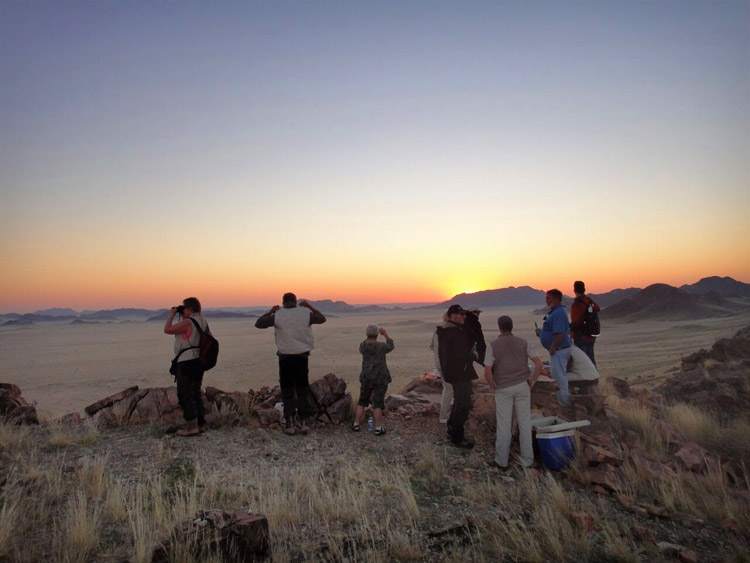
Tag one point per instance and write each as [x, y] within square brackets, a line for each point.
[14, 408]
[329, 403]
[716, 379]
[235, 536]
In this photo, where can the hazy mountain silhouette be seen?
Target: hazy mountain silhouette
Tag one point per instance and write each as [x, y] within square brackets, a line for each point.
[612, 297]
[665, 302]
[726, 287]
[56, 312]
[504, 297]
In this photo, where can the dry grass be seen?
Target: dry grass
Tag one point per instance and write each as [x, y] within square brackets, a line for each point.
[358, 506]
[641, 420]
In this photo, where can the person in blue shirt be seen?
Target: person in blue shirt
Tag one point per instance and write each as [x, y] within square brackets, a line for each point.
[555, 337]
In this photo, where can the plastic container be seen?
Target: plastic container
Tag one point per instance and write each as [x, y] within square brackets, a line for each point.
[557, 449]
[370, 424]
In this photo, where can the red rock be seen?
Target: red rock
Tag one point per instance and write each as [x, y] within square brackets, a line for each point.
[687, 556]
[212, 392]
[12, 390]
[692, 457]
[424, 386]
[337, 385]
[322, 392]
[14, 408]
[584, 521]
[268, 416]
[483, 410]
[650, 469]
[594, 455]
[70, 418]
[235, 401]
[341, 410]
[605, 476]
[237, 536]
[92, 409]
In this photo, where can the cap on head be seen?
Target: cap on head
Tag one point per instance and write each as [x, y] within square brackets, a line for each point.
[289, 298]
[505, 323]
[579, 287]
[371, 330]
[455, 309]
[476, 310]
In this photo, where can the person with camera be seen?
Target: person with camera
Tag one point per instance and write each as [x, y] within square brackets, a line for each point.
[189, 372]
[294, 340]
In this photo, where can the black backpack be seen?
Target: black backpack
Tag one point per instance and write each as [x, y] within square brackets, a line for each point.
[589, 325]
[208, 349]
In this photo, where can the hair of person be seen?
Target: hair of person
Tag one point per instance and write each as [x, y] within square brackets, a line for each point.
[579, 287]
[193, 304]
[505, 323]
[371, 330]
[555, 293]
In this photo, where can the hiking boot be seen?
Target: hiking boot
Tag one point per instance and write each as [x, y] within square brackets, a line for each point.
[190, 429]
[301, 425]
[495, 465]
[463, 444]
[289, 429]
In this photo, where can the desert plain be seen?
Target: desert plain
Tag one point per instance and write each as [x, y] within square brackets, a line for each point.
[64, 367]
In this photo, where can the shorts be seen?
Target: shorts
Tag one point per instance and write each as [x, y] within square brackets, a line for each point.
[374, 393]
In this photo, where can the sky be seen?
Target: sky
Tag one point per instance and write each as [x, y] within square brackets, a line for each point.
[372, 152]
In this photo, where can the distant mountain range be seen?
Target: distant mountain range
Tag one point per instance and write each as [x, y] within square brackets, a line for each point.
[709, 297]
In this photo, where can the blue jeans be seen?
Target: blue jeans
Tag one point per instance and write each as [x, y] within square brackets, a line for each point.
[558, 365]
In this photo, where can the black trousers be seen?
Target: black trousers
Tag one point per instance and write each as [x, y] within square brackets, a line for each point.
[460, 411]
[189, 381]
[295, 385]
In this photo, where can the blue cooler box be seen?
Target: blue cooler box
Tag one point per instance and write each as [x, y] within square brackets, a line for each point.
[556, 448]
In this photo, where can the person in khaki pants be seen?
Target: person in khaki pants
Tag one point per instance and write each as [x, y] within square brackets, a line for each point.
[506, 369]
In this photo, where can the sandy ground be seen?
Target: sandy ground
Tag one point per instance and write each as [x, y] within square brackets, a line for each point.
[65, 367]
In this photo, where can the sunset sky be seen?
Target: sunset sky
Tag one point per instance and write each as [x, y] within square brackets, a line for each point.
[368, 151]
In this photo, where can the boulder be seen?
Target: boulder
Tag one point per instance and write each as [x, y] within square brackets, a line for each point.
[321, 390]
[235, 401]
[14, 408]
[70, 418]
[427, 384]
[692, 457]
[336, 384]
[236, 536]
[483, 410]
[594, 455]
[268, 416]
[92, 409]
[648, 468]
[604, 476]
[341, 410]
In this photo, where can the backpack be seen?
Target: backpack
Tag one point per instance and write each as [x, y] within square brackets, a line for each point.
[208, 350]
[208, 347]
[589, 325]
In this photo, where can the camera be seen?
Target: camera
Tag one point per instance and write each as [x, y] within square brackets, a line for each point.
[180, 309]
